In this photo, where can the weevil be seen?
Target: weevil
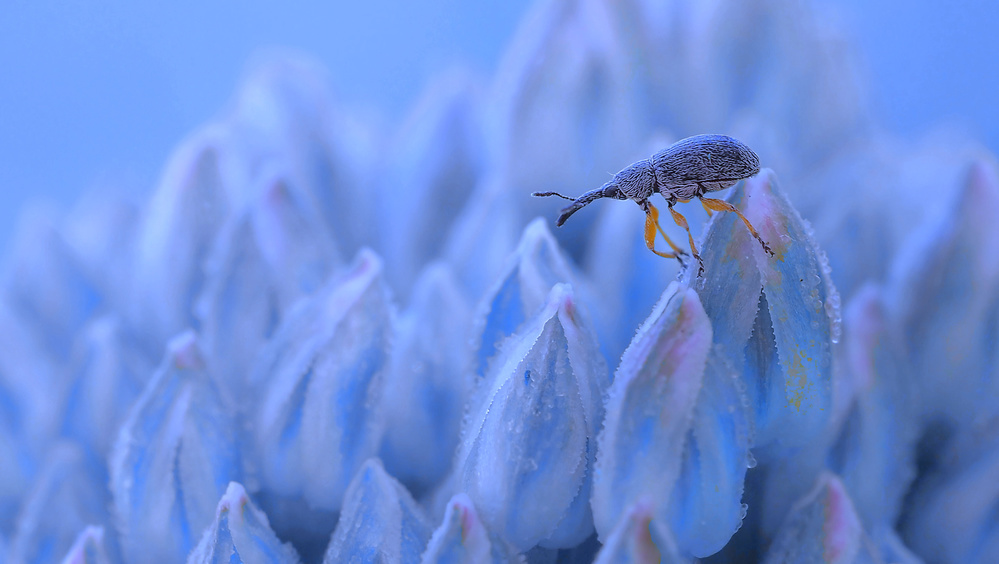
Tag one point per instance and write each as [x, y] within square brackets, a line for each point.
[687, 169]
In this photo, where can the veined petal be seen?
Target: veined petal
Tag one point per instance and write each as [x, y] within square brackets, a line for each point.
[527, 449]
[536, 265]
[788, 353]
[321, 379]
[462, 538]
[706, 506]
[175, 453]
[380, 521]
[650, 407]
[240, 534]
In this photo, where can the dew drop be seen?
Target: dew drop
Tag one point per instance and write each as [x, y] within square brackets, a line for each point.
[743, 511]
[750, 461]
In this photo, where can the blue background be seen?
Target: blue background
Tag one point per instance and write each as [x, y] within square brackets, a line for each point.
[96, 94]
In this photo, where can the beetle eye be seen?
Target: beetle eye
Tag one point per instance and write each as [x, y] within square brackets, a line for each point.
[614, 192]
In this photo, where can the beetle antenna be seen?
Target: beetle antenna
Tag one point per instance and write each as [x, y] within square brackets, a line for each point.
[582, 201]
[543, 194]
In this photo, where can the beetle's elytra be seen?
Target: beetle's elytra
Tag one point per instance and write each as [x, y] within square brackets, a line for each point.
[687, 169]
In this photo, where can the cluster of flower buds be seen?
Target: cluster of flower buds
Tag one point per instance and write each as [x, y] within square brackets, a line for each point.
[317, 342]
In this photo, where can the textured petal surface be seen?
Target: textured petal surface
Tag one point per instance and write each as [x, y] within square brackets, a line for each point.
[240, 534]
[527, 449]
[176, 450]
[321, 380]
[650, 408]
[380, 521]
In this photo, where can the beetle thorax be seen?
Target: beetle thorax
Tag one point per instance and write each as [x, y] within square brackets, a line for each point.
[638, 181]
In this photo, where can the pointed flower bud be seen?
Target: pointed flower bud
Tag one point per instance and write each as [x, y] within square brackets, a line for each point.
[677, 431]
[88, 548]
[425, 387]
[68, 495]
[640, 539]
[777, 317]
[536, 265]
[528, 448]
[321, 382]
[945, 290]
[380, 521]
[176, 234]
[464, 539]
[822, 527]
[175, 452]
[241, 533]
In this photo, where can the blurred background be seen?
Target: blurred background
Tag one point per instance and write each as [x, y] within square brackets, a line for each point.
[95, 94]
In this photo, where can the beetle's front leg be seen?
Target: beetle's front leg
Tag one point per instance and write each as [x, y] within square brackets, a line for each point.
[652, 227]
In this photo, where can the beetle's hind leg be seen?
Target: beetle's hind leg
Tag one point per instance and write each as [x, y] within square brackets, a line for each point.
[652, 227]
[722, 205]
[682, 222]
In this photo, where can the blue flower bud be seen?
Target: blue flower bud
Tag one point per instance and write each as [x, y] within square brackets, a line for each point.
[425, 386]
[240, 534]
[462, 538]
[380, 521]
[175, 455]
[775, 317]
[320, 382]
[88, 548]
[528, 447]
[822, 527]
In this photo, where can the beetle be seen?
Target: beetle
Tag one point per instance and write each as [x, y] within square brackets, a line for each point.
[687, 169]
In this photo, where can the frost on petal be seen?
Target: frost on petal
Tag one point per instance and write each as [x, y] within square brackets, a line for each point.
[706, 506]
[639, 539]
[175, 237]
[527, 449]
[521, 291]
[875, 451]
[107, 372]
[320, 386]
[650, 407]
[45, 284]
[425, 387]
[88, 548]
[945, 296]
[951, 516]
[240, 534]
[380, 521]
[431, 169]
[783, 336]
[67, 496]
[822, 527]
[462, 538]
[174, 456]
